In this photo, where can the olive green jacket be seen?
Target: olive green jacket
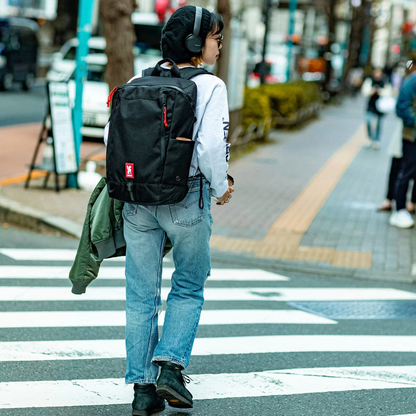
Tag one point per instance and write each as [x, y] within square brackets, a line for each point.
[101, 238]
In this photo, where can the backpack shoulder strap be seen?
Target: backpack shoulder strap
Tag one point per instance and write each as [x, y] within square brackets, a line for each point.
[186, 73]
[189, 73]
[147, 72]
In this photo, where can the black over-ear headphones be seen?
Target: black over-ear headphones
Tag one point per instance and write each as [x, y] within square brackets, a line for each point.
[193, 42]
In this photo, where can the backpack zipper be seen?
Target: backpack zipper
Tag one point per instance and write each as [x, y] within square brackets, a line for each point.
[165, 122]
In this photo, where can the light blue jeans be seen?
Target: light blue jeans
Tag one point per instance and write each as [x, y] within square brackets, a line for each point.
[373, 131]
[145, 230]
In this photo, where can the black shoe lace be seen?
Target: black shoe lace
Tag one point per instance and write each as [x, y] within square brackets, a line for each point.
[186, 379]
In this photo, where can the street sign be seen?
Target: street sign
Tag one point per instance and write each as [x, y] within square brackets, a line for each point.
[62, 128]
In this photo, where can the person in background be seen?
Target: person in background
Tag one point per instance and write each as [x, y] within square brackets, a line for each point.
[395, 150]
[374, 87]
[405, 109]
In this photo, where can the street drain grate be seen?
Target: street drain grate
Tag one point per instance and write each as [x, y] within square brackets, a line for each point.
[360, 310]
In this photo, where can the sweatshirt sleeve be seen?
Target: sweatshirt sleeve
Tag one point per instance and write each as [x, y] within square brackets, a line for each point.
[211, 142]
[405, 102]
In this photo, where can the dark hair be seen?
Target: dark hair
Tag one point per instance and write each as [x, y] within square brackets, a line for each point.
[180, 26]
[216, 22]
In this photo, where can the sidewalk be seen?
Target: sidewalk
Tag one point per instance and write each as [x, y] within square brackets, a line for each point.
[306, 202]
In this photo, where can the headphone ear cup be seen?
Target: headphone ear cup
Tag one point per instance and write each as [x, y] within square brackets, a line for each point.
[193, 43]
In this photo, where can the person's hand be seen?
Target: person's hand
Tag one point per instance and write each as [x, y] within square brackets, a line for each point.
[225, 199]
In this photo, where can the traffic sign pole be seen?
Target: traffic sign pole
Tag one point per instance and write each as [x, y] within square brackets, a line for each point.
[83, 35]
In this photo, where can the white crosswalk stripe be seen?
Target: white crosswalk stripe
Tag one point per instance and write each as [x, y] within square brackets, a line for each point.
[53, 272]
[211, 386]
[118, 318]
[26, 292]
[33, 293]
[99, 349]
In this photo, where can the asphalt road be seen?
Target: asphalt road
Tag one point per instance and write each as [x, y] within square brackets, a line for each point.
[18, 106]
[299, 359]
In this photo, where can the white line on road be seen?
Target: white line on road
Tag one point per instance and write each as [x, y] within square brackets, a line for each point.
[118, 318]
[56, 272]
[49, 254]
[66, 393]
[32, 293]
[98, 349]
[52, 254]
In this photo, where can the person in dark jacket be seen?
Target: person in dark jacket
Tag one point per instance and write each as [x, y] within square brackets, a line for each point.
[406, 110]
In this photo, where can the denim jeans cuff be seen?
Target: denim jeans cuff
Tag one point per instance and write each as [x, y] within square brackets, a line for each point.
[156, 360]
[151, 381]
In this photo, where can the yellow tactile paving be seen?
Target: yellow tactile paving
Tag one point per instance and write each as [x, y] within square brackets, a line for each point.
[284, 237]
[22, 178]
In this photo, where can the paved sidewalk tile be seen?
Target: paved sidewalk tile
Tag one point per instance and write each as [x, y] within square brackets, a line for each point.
[315, 194]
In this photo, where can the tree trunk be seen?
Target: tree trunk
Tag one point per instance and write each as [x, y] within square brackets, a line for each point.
[332, 21]
[119, 34]
[358, 21]
[224, 9]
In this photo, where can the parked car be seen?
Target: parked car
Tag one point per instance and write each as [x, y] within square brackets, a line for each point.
[63, 62]
[94, 98]
[18, 52]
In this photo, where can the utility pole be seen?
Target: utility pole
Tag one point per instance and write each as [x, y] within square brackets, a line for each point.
[293, 4]
[83, 35]
[266, 17]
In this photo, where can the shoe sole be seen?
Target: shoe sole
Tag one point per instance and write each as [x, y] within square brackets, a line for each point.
[173, 398]
[394, 224]
[147, 412]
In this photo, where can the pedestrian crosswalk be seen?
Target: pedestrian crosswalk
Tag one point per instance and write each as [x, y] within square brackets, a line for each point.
[246, 315]
[215, 386]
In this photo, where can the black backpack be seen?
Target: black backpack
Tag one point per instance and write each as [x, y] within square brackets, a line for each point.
[150, 146]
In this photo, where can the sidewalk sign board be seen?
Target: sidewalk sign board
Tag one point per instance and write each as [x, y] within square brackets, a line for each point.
[57, 130]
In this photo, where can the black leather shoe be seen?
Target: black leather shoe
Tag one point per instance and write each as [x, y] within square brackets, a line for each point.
[171, 386]
[146, 402]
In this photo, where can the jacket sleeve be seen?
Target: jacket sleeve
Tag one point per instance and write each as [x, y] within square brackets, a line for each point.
[212, 147]
[86, 265]
[405, 102]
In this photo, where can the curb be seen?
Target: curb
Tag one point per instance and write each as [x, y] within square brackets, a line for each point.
[308, 268]
[18, 214]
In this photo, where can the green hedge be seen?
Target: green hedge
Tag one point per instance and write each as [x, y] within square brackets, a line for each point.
[278, 100]
[256, 107]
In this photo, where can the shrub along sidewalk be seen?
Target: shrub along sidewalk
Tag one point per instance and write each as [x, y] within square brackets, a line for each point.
[276, 105]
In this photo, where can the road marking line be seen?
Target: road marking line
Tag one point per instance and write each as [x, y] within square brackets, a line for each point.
[57, 272]
[50, 254]
[98, 349]
[118, 318]
[33, 293]
[98, 392]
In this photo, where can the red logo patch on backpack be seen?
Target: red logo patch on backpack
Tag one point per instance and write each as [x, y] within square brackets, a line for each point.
[130, 170]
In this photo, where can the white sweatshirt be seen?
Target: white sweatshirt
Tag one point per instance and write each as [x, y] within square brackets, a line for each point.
[211, 151]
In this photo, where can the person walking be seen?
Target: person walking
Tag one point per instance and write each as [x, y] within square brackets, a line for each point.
[373, 88]
[155, 365]
[405, 109]
[396, 153]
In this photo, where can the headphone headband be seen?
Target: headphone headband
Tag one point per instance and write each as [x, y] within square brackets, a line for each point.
[198, 19]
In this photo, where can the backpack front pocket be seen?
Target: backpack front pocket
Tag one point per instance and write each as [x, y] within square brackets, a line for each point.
[178, 159]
